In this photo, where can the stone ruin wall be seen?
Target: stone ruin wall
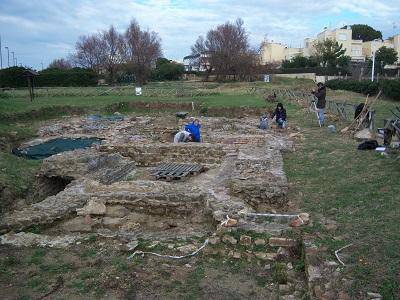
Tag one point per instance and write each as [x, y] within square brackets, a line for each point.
[150, 155]
[259, 179]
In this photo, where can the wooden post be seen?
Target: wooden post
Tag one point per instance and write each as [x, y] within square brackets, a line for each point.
[30, 88]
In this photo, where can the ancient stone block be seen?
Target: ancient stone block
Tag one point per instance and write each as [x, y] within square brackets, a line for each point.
[116, 211]
[314, 273]
[214, 240]
[282, 242]
[77, 224]
[112, 223]
[259, 242]
[245, 240]
[228, 239]
[271, 256]
[92, 208]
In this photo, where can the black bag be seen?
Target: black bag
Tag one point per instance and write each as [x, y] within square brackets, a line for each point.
[368, 145]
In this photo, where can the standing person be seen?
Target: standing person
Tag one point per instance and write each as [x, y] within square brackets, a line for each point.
[194, 129]
[280, 116]
[320, 94]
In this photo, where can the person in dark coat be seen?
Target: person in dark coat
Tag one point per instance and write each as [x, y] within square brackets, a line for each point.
[280, 116]
[320, 94]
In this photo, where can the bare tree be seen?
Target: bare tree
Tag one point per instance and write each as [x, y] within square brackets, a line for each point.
[201, 56]
[90, 52]
[141, 50]
[60, 63]
[226, 50]
[112, 43]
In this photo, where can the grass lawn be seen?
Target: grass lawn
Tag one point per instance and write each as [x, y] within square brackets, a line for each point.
[357, 190]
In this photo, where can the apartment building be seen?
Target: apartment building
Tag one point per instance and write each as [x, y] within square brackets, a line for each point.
[272, 52]
[393, 42]
[356, 49]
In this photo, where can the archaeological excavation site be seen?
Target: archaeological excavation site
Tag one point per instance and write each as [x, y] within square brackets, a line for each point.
[132, 191]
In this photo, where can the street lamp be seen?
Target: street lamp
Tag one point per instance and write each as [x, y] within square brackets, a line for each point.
[8, 56]
[1, 56]
[373, 58]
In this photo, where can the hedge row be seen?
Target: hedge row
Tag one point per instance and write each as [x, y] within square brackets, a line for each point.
[70, 77]
[320, 71]
[390, 88]
[13, 77]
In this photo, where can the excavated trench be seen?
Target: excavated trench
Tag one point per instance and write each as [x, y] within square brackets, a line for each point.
[110, 191]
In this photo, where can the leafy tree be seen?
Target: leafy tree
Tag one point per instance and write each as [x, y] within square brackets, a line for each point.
[365, 32]
[344, 61]
[300, 61]
[168, 70]
[312, 62]
[386, 56]
[328, 51]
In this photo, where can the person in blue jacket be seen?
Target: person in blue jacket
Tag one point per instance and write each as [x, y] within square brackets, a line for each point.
[280, 116]
[194, 129]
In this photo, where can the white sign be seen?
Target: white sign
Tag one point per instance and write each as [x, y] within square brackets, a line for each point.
[138, 91]
[266, 78]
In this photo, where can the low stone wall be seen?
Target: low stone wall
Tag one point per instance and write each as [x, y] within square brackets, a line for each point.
[260, 180]
[235, 112]
[186, 106]
[58, 171]
[156, 153]
[47, 211]
[148, 198]
[297, 75]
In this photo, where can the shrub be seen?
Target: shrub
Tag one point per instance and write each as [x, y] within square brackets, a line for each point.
[13, 77]
[66, 77]
[320, 71]
[390, 88]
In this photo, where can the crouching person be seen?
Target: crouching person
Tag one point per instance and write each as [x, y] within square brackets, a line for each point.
[183, 137]
[194, 129]
[280, 116]
[263, 122]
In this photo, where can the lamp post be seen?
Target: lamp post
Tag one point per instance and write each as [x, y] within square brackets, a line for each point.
[373, 58]
[8, 56]
[1, 56]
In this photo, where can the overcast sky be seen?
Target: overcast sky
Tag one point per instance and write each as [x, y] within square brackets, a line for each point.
[42, 30]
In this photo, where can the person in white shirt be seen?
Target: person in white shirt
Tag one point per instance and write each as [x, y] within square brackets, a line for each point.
[183, 137]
